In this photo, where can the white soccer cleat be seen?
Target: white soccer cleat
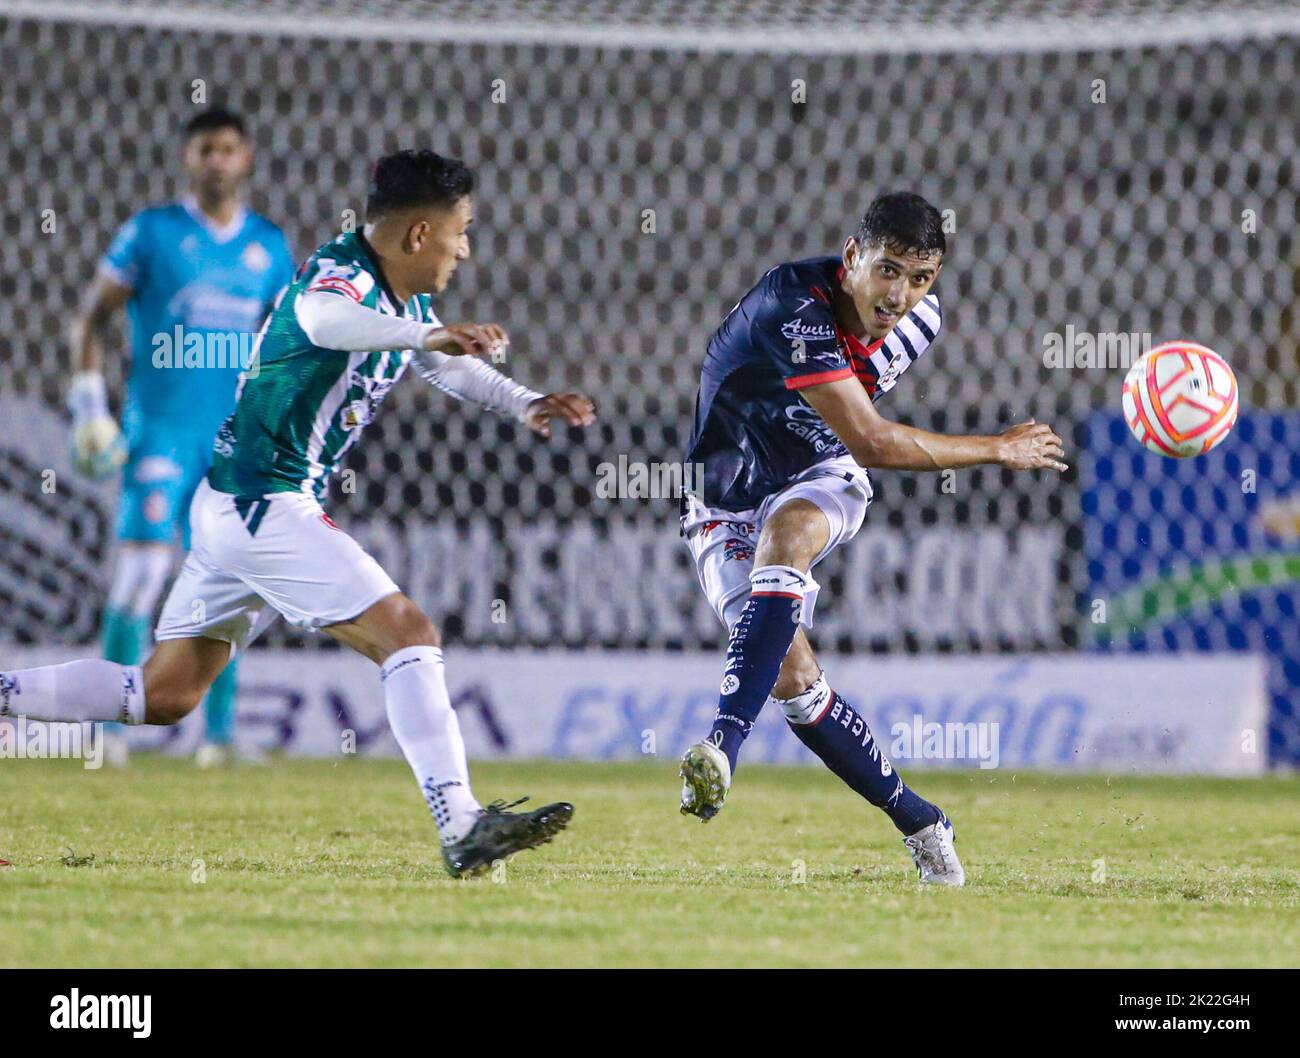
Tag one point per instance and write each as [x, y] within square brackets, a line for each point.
[214, 755]
[935, 855]
[706, 778]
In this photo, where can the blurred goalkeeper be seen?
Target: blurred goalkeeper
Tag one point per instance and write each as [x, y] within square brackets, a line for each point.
[786, 427]
[197, 277]
[341, 335]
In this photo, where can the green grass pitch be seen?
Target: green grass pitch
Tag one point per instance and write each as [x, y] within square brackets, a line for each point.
[319, 863]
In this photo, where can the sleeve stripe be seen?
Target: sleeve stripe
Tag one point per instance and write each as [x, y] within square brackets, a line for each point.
[928, 313]
[800, 381]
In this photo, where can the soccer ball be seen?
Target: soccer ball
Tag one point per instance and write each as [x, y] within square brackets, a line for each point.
[1180, 399]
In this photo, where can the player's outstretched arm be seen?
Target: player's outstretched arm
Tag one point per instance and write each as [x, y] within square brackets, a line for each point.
[875, 441]
[467, 378]
[333, 321]
[97, 446]
[446, 357]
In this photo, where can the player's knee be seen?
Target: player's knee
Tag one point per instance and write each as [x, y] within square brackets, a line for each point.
[169, 702]
[793, 536]
[411, 628]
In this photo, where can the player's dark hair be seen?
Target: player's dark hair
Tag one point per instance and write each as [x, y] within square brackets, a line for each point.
[904, 222]
[408, 179]
[211, 120]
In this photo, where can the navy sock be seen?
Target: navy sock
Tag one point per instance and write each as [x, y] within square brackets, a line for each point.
[839, 735]
[757, 647]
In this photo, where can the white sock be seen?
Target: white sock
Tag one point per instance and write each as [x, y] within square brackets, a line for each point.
[425, 726]
[807, 706]
[79, 690]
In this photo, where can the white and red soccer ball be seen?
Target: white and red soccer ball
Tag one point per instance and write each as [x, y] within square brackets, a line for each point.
[1180, 399]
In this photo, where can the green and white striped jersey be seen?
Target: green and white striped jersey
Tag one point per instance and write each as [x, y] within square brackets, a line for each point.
[301, 407]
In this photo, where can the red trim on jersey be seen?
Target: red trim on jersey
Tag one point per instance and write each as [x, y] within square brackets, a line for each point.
[799, 381]
[337, 284]
[775, 594]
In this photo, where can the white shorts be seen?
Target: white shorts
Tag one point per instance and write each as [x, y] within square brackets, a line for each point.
[254, 559]
[723, 542]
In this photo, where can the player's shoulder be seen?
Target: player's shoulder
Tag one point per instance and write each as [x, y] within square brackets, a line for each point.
[344, 248]
[153, 218]
[800, 283]
[341, 266]
[792, 302]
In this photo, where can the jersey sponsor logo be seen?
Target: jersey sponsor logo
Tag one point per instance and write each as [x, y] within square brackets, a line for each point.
[156, 468]
[255, 257]
[799, 331]
[805, 423]
[202, 307]
[730, 685]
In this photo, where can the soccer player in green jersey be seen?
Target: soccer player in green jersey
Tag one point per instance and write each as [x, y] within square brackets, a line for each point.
[357, 314]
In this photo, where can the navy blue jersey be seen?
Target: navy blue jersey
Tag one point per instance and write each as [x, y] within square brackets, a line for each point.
[753, 431]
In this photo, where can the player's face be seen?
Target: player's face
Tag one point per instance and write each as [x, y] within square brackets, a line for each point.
[885, 284]
[217, 162]
[443, 243]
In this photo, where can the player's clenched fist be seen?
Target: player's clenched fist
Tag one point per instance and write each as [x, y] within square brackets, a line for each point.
[573, 409]
[1030, 446]
[469, 339]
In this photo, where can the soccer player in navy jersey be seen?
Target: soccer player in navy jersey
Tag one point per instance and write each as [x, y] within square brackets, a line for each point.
[786, 428]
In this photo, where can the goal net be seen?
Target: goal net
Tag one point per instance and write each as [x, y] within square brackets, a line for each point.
[1111, 180]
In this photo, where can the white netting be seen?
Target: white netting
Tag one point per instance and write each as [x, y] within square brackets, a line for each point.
[1103, 190]
[802, 26]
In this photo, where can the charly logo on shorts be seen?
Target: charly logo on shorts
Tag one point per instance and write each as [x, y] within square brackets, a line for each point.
[730, 684]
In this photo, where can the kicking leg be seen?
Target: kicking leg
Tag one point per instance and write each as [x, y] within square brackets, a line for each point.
[792, 538]
[163, 691]
[829, 726]
[406, 646]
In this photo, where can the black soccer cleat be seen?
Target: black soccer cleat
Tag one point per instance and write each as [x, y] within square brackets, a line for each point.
[499, 833]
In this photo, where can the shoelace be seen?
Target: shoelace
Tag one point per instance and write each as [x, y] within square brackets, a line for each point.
[500, 805]
[932, 855]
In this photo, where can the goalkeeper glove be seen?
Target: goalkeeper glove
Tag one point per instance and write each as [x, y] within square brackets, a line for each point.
[97, 445]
